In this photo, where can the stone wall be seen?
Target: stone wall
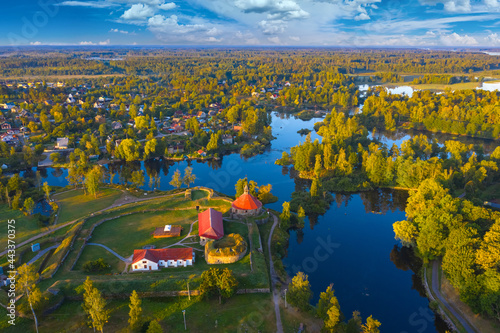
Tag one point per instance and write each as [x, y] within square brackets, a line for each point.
[212, 259]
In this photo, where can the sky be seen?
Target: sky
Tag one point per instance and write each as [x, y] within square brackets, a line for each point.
[351, 23]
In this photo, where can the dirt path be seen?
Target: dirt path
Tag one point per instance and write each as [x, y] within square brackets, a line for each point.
[41, 253]
[274, 278]
[117, 203]
[437, 292]
[125, 260]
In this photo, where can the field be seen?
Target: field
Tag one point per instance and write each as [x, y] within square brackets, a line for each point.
[25, 226]
[245, 313]
[75, 204]
[130, 232]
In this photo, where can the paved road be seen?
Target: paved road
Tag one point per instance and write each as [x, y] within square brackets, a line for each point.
[435, 289]
[112, 252]
[276, 296]
[41, 253]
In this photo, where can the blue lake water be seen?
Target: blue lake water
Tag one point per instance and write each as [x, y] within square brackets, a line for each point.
[360, 267]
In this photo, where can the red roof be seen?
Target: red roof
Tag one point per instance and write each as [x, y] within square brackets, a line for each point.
[246, 202]
[210, 224]
[155, 255]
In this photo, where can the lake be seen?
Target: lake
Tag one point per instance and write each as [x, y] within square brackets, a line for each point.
[368, 274]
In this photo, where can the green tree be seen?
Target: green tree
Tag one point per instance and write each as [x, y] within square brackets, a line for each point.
[176, 179]
[285, 214]
[371, 325]
[189, 176]
[216, 282]
[154, 327]
[135, 313]
[55, 157]
[150, 148]
[27, 280]
[29, 205]
[93, 180]
[299, 291]
[315, 187]
[94, 305]
[128, 150]
[213, 144]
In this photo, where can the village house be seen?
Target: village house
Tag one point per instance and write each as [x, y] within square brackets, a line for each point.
[201, 115]
[202, 153]
[100, 119]
[177, 148]
[167, 231]
[70, 99]
[6, 126]
[98, 105]
[154, 259]
[210, 225]
[62, 143]
[7, 106]
[227, 139]
[10, 139]
[116, 125]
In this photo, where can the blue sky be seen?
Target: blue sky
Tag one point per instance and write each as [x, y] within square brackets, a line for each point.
[357, 23]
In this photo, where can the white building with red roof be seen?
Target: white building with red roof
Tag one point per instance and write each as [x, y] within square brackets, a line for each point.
[246, 204]
[210, 225]
[154, 259]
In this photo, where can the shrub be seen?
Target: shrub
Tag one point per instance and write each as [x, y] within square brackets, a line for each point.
[98, 265]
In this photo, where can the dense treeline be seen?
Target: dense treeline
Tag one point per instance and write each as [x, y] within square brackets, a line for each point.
[466, 236]
[465, 112]
[284, 62]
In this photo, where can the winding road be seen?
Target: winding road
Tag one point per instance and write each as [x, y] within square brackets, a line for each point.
[274, 278]
[435, 290]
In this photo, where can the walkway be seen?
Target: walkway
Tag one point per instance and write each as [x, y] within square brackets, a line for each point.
[41, 253]
[274, 278]
[435, 289]
[51, 230]
[112, 252]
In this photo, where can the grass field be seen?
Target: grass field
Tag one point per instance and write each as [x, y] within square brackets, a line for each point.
[130, 232]
[92, 252]
[75, 204]
[25, 226]
[245, 313]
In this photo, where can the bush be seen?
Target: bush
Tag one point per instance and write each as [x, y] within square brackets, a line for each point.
[98, 265]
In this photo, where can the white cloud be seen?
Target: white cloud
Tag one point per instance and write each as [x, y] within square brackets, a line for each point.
[294, 38]
[162, 24]
[138, 12]
[92, 4]
[455, 39]
[463, 6]
[87, 43]
[275, 39]
[272, 27]
[119, 31]
[167, 6]
[492, 3]
[106, 42]
[362, 17]
[36, 43]
[276, 9]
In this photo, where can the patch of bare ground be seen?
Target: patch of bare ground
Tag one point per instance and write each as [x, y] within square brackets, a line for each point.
[480, 323]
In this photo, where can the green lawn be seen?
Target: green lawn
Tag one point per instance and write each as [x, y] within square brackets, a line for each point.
[25, 226]
[75, 204]
[92, 252]
[130, 232]
[246, 313]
